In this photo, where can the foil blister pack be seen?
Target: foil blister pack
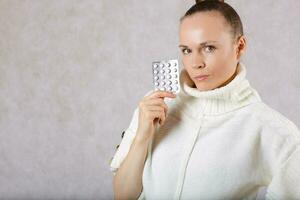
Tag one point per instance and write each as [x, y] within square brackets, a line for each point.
[166, 75]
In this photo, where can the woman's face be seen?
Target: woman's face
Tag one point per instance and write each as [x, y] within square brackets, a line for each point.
[207, 48]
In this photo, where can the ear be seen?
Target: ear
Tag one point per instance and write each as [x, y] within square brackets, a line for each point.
[241, 47]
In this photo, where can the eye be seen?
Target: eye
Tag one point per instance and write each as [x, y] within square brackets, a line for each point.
[210, 48]
[185, 52]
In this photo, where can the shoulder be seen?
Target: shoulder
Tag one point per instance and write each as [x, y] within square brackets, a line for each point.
[274, 120]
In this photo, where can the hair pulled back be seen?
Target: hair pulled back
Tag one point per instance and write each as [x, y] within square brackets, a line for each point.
[230, 15]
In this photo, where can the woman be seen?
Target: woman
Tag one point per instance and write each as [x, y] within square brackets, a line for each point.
[216, 139]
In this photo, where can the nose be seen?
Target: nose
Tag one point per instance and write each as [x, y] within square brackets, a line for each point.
[198, 61]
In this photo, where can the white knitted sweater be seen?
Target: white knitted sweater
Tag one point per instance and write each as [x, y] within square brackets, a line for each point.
[224, 143]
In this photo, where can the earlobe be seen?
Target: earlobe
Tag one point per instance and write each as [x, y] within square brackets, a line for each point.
[241, 47]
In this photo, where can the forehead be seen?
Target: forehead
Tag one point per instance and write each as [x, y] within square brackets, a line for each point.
[203, 26]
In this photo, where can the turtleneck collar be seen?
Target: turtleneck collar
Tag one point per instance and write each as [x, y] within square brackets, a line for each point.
[235, 94]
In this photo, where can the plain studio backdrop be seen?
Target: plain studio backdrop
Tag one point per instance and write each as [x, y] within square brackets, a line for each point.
[72, 72]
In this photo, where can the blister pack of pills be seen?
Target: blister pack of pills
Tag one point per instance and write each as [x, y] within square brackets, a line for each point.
[166, 76]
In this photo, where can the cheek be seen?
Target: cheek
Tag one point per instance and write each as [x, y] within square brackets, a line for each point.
[187, 65]
[218, 70]
[220, 60]
[216, 61]
[219, 65]
[186, 62]
[216, 58]
[222, 71]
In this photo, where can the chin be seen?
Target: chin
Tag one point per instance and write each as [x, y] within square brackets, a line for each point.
[204, 88]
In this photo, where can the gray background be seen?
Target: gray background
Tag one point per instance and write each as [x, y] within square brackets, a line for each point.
[72, 72]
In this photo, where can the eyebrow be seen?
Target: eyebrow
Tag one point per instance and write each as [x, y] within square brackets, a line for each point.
[201, 44]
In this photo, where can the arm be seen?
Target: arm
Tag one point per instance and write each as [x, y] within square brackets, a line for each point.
[128, 179]
[285, 183]
[130, 158]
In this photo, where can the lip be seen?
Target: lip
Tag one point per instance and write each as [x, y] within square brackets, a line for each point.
[201, 77]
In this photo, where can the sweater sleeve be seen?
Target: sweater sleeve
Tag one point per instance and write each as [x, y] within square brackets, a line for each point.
[285, 183]
[125, 144]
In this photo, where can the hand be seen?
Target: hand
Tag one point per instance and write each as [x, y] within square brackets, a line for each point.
[152, 110]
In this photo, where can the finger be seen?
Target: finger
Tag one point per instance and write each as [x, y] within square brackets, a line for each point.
[157, 102]
[156, 114]
[155, 108]
[163, 118]
[162, 94]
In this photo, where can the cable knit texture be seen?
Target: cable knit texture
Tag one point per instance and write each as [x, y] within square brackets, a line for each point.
[224, 143]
